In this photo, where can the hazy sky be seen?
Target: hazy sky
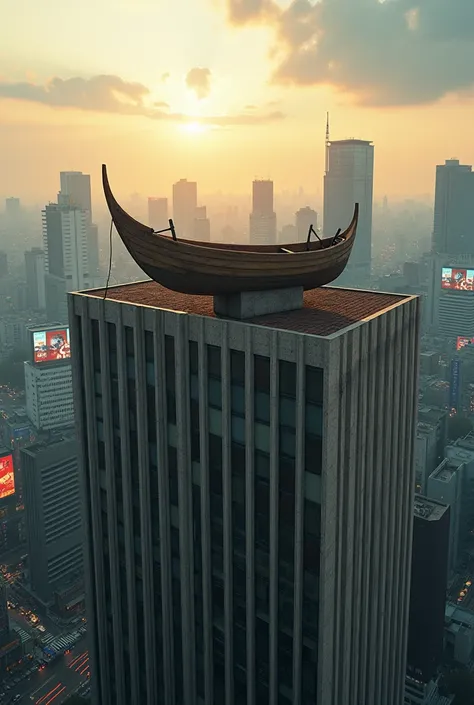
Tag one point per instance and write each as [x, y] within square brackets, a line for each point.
[222, 91]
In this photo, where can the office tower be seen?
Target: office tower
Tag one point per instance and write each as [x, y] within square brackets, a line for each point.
[65, 245]
[429, 577]
[12, 207]
[454, 209]
[349, 179]
[3, 264]
[53, 514]
[262, 219]
[184, 207]
[451, 296]
[4, 621]
[35, 279]
[77, 186]
[305, 217]
[157, 213]
[202, 225]
[248, 487]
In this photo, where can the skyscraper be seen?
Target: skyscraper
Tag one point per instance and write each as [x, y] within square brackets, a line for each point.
[305, 217]
[77, 186]
[202, 225]
[263, 230]
[12, 207]
[65, 245]
[454, 209]
[157, 213]
[184, 207]
[248, 487]
[348, 180]
[35, 279]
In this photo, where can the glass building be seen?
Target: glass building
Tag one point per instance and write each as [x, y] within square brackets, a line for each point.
[248, 493]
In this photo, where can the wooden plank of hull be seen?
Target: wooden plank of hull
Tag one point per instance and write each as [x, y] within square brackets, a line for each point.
[202, 268]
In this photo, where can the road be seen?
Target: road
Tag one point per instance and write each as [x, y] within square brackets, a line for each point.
[54, 684]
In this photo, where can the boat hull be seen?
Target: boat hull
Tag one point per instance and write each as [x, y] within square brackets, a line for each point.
[208, 269]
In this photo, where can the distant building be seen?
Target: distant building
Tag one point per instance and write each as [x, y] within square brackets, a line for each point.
[35, 279]
[349, 180]
[305, 217]
[77, 186]
[11, 520]
[288, 234]
[459, 633]
[184, 207]
[202, 225]
[445, 485]
[12, 207]
[48, 395]
[454, 209]
[429, 577]
[157, 213]
[263, 227]
[451, 294]
[65, 243]
[239, 514]
[53, 513]
[3, 264]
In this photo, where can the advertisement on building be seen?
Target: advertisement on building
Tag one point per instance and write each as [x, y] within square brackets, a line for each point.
[7, 477]
[454, 387]
[457, 279]
[462, 342]
[51, 345]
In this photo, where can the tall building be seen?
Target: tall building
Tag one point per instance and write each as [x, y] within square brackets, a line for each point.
[12, 207]
[48, 395]
[3, 264]
[53, 513]
[10, 518]
[202, 225]
[248, 491]
[65, 245]
[429, 568]
[184, 207]
[77, 186]
[451, 296]
[454, 209]
[349, 179]
[158, 213]
[35, 278]
[263, 227]
[305, 217]
[4, 620]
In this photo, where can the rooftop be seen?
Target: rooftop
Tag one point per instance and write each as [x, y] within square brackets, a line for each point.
[445, 471]
[326, 310]
[429, 509]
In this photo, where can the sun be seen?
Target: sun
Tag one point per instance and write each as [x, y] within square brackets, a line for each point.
[194, 128]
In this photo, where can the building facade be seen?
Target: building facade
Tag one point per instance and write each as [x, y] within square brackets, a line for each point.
[157, 213]
[248, 494]
[48, 395]
[53, 513]
[77, 186]
[35, 279]
[262, 221]
[454, 209]
[349, 179]
[184, 207]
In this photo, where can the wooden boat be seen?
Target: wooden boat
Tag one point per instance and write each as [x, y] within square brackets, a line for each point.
[193, 267]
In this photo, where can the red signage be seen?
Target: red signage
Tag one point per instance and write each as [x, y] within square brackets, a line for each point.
[457, 279]
[51, 345]
[7, 478]
[462, 342]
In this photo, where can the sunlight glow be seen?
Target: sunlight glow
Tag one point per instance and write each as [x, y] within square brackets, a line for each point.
[194, 128]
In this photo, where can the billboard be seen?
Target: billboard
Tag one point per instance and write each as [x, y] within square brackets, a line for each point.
[454, 384]
[7, 478]
[462, 342]
[457, 279]
[51, 345]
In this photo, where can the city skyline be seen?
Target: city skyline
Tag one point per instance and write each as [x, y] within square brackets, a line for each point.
[208, 102]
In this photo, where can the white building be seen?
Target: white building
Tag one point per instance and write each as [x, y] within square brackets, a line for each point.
[349, 179]
[452, 309]
[48, 394]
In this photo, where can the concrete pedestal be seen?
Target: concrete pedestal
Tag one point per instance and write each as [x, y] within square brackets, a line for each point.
[258, 303]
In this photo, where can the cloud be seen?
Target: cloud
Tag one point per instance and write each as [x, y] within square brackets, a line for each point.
[384, 52]
[110, 94]
[243, 12]
[199, 81]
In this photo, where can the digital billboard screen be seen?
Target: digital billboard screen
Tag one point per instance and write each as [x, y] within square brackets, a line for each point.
[51, 345]
[457, 279]
[7, 477]
[463, 342]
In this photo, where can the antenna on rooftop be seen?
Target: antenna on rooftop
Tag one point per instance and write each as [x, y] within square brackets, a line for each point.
[327, 144]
